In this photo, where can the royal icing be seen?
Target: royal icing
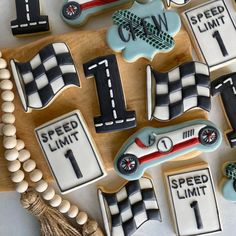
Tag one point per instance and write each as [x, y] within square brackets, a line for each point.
[177, 91]
[226, 87]
[70, 151]
[124, 211]
[152, 146]
[114, 115]
[29, 20]
[177, 2]
[193, 201]
[39, 80]
[229, 185]
[143, 30]
[76, 12]
[212, 29]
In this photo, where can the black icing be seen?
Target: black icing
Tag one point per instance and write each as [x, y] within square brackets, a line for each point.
[108, 122]
[226, 88]
[29, 21]
[71, 157]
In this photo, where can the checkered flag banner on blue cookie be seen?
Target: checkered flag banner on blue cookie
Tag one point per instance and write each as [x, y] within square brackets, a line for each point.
[130, 207]
[39, 80]
[171, 94]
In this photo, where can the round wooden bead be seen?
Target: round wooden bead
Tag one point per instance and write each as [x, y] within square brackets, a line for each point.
[9, 142]
[8, 118]
[9, 130]
[73, 211]
[3, 63]
[11, 155]
[5, 74]
[36, 175]
[41, 186]
[20, 144]
[7, 96]
[55, 201]
[14, 166]
[8, 107]
[24, 155]
[64, 206]
[6, 85]
[1, 126]
[81, 218]
[48, 194]
[22, 186]
[29, 165]
[17, 176]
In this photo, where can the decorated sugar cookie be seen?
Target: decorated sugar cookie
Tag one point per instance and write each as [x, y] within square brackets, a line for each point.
[76, 12]
[171, 94]
[125, 210]
[143, 30]
[193, 200]
[70, 151]
[177, 2]
[229, 185]
[152, 146]
[29, 21]
[212, 29]
[226, 87]
[39, 80]
[114, 115]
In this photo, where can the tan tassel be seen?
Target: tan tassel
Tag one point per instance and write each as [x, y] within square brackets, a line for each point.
[53, 223]
[91, 228]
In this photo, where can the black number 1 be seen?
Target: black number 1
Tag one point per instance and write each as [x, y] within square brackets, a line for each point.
[71, 157]
[197, 214]
[223, 49]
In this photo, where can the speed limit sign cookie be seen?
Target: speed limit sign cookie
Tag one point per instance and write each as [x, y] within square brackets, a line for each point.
[212, 29]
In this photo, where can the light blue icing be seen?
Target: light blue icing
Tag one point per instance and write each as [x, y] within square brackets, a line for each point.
[228, 190]
[85, 14]
[144, 134]
[133, 50]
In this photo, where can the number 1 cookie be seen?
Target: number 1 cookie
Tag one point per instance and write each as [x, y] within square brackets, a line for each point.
[212, 29]
[193, 200]
[29, 20]
[143, 30]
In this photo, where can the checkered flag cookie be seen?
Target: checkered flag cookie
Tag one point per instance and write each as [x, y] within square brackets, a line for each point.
[126, 210]
[43, 77]
[171, 94]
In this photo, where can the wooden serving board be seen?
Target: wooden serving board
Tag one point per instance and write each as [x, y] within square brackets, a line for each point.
[86, 45]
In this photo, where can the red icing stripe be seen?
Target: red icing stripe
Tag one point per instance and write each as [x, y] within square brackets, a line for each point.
[96, 3]
[140, 143]
[176, 148]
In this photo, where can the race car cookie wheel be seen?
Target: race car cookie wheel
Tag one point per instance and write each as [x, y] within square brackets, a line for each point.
[71, 10]
[208, 135]
[127, 164]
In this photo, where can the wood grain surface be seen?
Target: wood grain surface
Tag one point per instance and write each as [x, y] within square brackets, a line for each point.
[86, 45]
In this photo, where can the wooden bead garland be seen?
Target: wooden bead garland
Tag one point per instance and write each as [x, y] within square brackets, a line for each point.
[64, 206]
[16, 154]
[36, 175]
[17, 176]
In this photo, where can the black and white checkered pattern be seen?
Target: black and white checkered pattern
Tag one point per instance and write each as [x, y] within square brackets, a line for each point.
[130, 207]
[45, 75]
[179, 90]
